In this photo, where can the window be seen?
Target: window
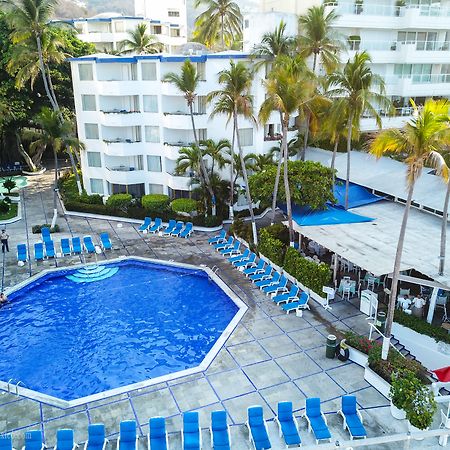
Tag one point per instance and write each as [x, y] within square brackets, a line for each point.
[201, 104]
[148, 71]
[88, 103]
[154, 164]
[157, 29]
[202, 134]
[151, 103]
[246, 136]
[96, 185]
[85, 72]
[174, 13]
[246, 23]
[155, 188]
[91, 130]
[201, 71]
[119, 27]
[175, 32]
[151, 134]
[94, 159]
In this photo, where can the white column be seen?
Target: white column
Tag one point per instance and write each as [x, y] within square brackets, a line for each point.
[432, 305]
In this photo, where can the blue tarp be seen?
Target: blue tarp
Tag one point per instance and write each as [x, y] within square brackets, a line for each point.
[357, 195]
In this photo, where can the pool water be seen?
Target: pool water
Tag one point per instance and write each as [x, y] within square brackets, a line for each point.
[71, 340]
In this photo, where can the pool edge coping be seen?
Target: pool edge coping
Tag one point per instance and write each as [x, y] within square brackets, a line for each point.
[205, 363]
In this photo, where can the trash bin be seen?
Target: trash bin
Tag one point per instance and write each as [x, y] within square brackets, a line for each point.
[381, 321]
[331, 346]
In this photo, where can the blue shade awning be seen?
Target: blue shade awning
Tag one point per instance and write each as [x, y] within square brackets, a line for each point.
[357, 195]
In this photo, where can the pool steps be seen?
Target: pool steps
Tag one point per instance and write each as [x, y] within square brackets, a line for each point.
[89, 274]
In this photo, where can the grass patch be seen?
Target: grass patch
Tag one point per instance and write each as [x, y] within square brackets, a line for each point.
[11, 213]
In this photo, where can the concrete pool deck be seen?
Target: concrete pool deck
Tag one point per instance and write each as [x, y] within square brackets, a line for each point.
[270, 357]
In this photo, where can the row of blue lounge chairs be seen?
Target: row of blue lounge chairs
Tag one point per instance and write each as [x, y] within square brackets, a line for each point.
[219, 430]
[74, 246]
[173, 228]
[270, 281]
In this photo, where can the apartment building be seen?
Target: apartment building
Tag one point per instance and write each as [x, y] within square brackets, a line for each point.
[409, 43]
[107, 31]
[133, 124]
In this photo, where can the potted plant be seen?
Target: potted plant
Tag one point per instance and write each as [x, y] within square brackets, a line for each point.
[420, 410]
[404, 385]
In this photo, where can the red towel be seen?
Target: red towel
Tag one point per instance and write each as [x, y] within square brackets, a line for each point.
[443, 374]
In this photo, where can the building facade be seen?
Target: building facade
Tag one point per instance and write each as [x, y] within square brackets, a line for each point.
[133, 124]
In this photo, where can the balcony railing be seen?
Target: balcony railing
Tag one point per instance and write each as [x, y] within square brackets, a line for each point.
[119, 111]
[387, 10]
[123, 169]
[120, 141]
[425, 78]
[182, 113]
[398, 45]
[182, 175]
[273, 137]
[179, 144]
[403, 111]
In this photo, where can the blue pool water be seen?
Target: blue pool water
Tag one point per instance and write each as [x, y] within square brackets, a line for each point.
[70, 340]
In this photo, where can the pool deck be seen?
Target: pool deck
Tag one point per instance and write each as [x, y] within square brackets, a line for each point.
[270, 357]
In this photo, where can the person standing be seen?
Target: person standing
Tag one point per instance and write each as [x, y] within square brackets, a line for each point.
[4, 240]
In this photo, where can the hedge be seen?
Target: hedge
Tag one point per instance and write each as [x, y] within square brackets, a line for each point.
[119, 201]
[4, 207]
[186, 205]
[36, 229]
[313, 276]
[270, 247]
[155, 202]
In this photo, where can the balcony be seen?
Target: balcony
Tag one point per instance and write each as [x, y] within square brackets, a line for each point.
[182, 120]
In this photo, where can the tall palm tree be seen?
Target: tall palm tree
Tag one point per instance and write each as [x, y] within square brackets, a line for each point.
[59, 135]
[444, 222]
[237, 167]
[141, 42]
[222, 20]
[275, 43]
[318, 38]
[259, 161]
[215, 150]
[284, 93]
[420, 140]
[187, 83]
[189, 161]
[356, 89]
[234, 100]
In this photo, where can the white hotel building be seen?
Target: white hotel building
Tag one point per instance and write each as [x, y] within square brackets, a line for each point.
[409, 43]
[133, 124]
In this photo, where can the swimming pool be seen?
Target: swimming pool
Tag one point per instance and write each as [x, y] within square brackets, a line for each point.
[70, 340]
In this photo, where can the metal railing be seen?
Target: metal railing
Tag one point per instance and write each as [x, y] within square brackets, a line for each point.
[374, 327]
[358, 45]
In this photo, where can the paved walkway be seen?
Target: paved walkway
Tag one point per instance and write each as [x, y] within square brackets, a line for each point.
[270, 357]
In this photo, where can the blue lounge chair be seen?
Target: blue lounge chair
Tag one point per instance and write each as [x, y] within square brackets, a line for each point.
[38, 251]
[232, 250]
[241, 265]
[157, 436]
[45, 233]
[262, 276]
[317, 422]
[234, 259]
[96, 437]
[221, 237]
[220, 432]
[65, 247]
[22, 253]
[269, 281]
[156, 226]
[352, 418]
[176, 232]
[301, 304]
[127, 439]
[170, 227]
[88, 244]
[276, 288]
[290, 296]
[259, 268]
[105, 241]
[188, 230]
[191, 437]
[76, 246]
[287, 424]
[33, 440]
[146, 224]
[49, 249]
[257, 429]
[6, 442]
[228, 243]
[65, 440]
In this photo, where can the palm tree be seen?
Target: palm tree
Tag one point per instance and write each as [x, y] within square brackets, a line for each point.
[221, 19]
[444, 222]
[57, 134]
[188, 161]
[420, 140]
[356, 89]
[237, 167]
[234, 100]
[140, 42]
[259, 161]
[275, 43]
[187, 83]
[215, 150]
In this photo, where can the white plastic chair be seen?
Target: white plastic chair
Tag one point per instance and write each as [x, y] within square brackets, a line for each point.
[371, 283]
[346, 292]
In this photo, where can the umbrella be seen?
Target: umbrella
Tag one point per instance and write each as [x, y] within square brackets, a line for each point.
[443, 374]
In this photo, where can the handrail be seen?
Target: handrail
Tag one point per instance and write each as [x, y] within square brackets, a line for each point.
[372, 325]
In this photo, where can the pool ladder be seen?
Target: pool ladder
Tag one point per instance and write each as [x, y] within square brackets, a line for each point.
[11, 386]
[215, 269]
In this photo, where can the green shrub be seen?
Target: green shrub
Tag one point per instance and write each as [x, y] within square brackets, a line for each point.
[422, 327]
[421, 408]
[242, 229]
[94, 199]
[68, 187]
[4, 207]
[270, 247]
[7, 200]
[208, 221]
[155, 202]
[119, 201]
[279, 231]
[185, 205]
[313, 276]
[9, 184]
[361, 343]
[36, 229]
[404, 385]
